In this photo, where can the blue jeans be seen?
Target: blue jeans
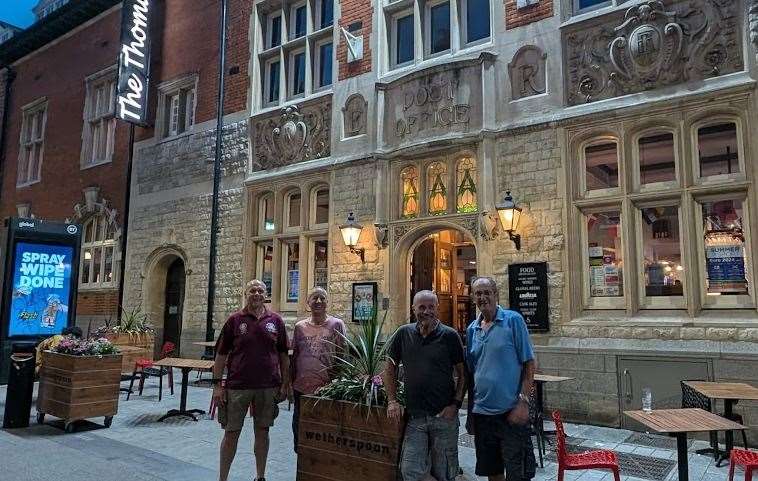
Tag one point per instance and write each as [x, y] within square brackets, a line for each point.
[430, 444]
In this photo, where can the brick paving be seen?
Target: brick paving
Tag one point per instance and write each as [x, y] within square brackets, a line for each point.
[138, 448]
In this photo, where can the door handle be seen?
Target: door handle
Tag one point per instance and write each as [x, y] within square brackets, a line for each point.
[627, 386]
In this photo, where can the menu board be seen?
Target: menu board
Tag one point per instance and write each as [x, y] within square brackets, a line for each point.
[528, 293]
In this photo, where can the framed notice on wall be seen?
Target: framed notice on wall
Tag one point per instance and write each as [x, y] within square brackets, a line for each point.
[364, 301]
[528, 294]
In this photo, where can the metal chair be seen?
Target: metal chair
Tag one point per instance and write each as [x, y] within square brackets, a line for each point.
[145, 367]
[747, 459]
[600, 459]
[537, 424]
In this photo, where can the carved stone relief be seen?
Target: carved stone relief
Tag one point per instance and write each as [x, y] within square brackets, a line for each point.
[527, 72]
[294, 134]
[354, 115]
[468, 223]
[652, 46]
[753, 21]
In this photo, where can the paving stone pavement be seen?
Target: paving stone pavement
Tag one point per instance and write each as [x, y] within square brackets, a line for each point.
[139, 448]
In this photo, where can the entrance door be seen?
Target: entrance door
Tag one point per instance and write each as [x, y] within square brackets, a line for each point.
[172, 315]
[422, 270]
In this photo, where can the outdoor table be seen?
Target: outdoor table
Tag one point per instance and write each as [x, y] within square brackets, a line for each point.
[539, 381]
[186, 365]
[730, 392]
[679, 422]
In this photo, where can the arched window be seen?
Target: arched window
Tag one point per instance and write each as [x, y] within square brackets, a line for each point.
[320, 207]
[436, 176]
[466, 185]
[409, 177]
[266, 223]
[292, 210]
[98, 252]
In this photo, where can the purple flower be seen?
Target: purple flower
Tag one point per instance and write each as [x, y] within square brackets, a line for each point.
[377, 380]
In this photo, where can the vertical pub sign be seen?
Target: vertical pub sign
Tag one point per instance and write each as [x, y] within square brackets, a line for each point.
[528, 294]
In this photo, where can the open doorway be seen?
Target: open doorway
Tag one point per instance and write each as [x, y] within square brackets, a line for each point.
[174, 305]
[445, 262]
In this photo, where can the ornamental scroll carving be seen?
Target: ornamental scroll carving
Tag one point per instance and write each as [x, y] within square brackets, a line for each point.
[294, 134]
[652, 46]
[467, 223]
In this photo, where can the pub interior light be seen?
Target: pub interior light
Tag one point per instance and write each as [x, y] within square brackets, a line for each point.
[510, 216]
[351, 232]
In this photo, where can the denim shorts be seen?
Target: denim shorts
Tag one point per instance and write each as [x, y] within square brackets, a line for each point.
[430, 444]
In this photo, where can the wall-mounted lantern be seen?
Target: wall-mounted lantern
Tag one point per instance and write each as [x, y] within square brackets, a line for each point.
[351, 232]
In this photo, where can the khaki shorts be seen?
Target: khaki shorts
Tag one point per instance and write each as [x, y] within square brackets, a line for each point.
[231, 416]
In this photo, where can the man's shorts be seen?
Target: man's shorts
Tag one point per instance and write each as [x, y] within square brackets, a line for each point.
[502, 446]
[231, 416]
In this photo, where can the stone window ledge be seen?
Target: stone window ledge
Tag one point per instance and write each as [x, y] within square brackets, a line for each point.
[742, 318]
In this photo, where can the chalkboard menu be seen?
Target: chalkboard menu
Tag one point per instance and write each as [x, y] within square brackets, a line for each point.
[527, 289]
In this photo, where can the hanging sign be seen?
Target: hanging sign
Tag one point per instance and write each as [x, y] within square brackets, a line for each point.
[134, 61]
[527, 289]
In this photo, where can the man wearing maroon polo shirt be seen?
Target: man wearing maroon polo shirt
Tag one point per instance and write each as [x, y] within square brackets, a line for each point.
[253, 349]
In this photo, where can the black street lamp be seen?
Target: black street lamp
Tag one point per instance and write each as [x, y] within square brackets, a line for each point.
[510, 216]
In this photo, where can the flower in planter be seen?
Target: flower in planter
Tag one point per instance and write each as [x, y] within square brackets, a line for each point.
[359, 366]
[85, 347]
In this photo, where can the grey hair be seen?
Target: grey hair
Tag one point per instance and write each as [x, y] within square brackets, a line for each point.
[489, 280]
[319, 290]
[253, 282]
[425, 293]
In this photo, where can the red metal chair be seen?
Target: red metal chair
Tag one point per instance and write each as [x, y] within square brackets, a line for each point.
[747, 459]
[601, 459]
[145, 367]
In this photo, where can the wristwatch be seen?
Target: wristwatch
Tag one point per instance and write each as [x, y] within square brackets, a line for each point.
[523, 397]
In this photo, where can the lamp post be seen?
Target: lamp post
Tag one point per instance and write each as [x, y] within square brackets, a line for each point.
[351, 232]
[510, 216]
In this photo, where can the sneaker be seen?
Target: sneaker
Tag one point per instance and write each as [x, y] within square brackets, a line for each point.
[259, 479]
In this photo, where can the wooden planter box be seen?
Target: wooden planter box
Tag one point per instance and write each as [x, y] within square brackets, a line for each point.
[78, 387]
[343, 441]
[140, 347]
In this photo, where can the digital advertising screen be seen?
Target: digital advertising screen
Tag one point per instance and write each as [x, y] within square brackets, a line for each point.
[41, 290]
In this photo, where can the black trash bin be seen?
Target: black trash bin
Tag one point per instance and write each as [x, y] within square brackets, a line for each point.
[18, 400]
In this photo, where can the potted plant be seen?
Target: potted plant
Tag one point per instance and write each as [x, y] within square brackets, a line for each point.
[133, 334]
[344, 430]
[79, 379]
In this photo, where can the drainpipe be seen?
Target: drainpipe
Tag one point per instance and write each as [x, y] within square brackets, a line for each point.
[10, 75]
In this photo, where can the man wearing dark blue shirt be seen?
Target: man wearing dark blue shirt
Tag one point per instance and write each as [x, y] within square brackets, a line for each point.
[432, 358]
[501, 372]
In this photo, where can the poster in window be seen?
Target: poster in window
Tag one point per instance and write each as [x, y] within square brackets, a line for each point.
[293, 285]
[364, 301]
[42, 284]
[726, 269]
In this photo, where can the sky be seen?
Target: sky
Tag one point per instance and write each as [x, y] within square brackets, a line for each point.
[17, 12]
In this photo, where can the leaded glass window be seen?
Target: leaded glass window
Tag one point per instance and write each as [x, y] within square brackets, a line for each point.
[409, 177]
[437, 185]
[466, 190]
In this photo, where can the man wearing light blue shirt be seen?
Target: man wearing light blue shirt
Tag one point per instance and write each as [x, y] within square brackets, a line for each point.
[501, 366]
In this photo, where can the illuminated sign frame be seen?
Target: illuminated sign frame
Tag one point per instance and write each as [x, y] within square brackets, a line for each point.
[134, 62]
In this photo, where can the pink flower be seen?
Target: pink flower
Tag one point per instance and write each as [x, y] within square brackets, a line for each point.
[377, 380]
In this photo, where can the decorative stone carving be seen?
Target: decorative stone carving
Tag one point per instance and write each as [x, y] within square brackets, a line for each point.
[468, 223]
[382, 235]
[294, 134]
[400, 231]
[527, 72]
[95, 205]
[354, 115]
[652, 47]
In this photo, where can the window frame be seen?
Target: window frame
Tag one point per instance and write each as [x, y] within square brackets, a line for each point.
[660, 302]
[286, 212]
[284, 304]
[260, 261]
[292, 23]
[291, 95]
[637, 184]
[598, 140]
[577, 10]
[601, 303]
[312, 259]
[464, 41]
[261, 227]
[394, 18]
[267, 81]
[106, 120]
[102, 245]
[316, 77]
[428, 6]
[457, 182]
[166, 90]
[742, 301]
[318, 22]
[695, 142]
[268, 40]
[312, 225]
[29, 112]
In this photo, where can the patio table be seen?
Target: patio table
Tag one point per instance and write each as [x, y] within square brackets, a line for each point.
[730, 392]
[679, 422]
[539, 381]
[186, 365]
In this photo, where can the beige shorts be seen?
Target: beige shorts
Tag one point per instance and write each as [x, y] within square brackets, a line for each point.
[231, 416]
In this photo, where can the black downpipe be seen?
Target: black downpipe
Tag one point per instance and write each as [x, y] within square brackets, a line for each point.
[209, 332]
[125, 228]
[10, 76]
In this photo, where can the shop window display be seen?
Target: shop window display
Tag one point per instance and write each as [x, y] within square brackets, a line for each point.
[724, 248]
[605, 256]
[662, 259]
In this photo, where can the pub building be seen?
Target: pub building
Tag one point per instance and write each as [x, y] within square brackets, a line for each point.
[594, 157]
